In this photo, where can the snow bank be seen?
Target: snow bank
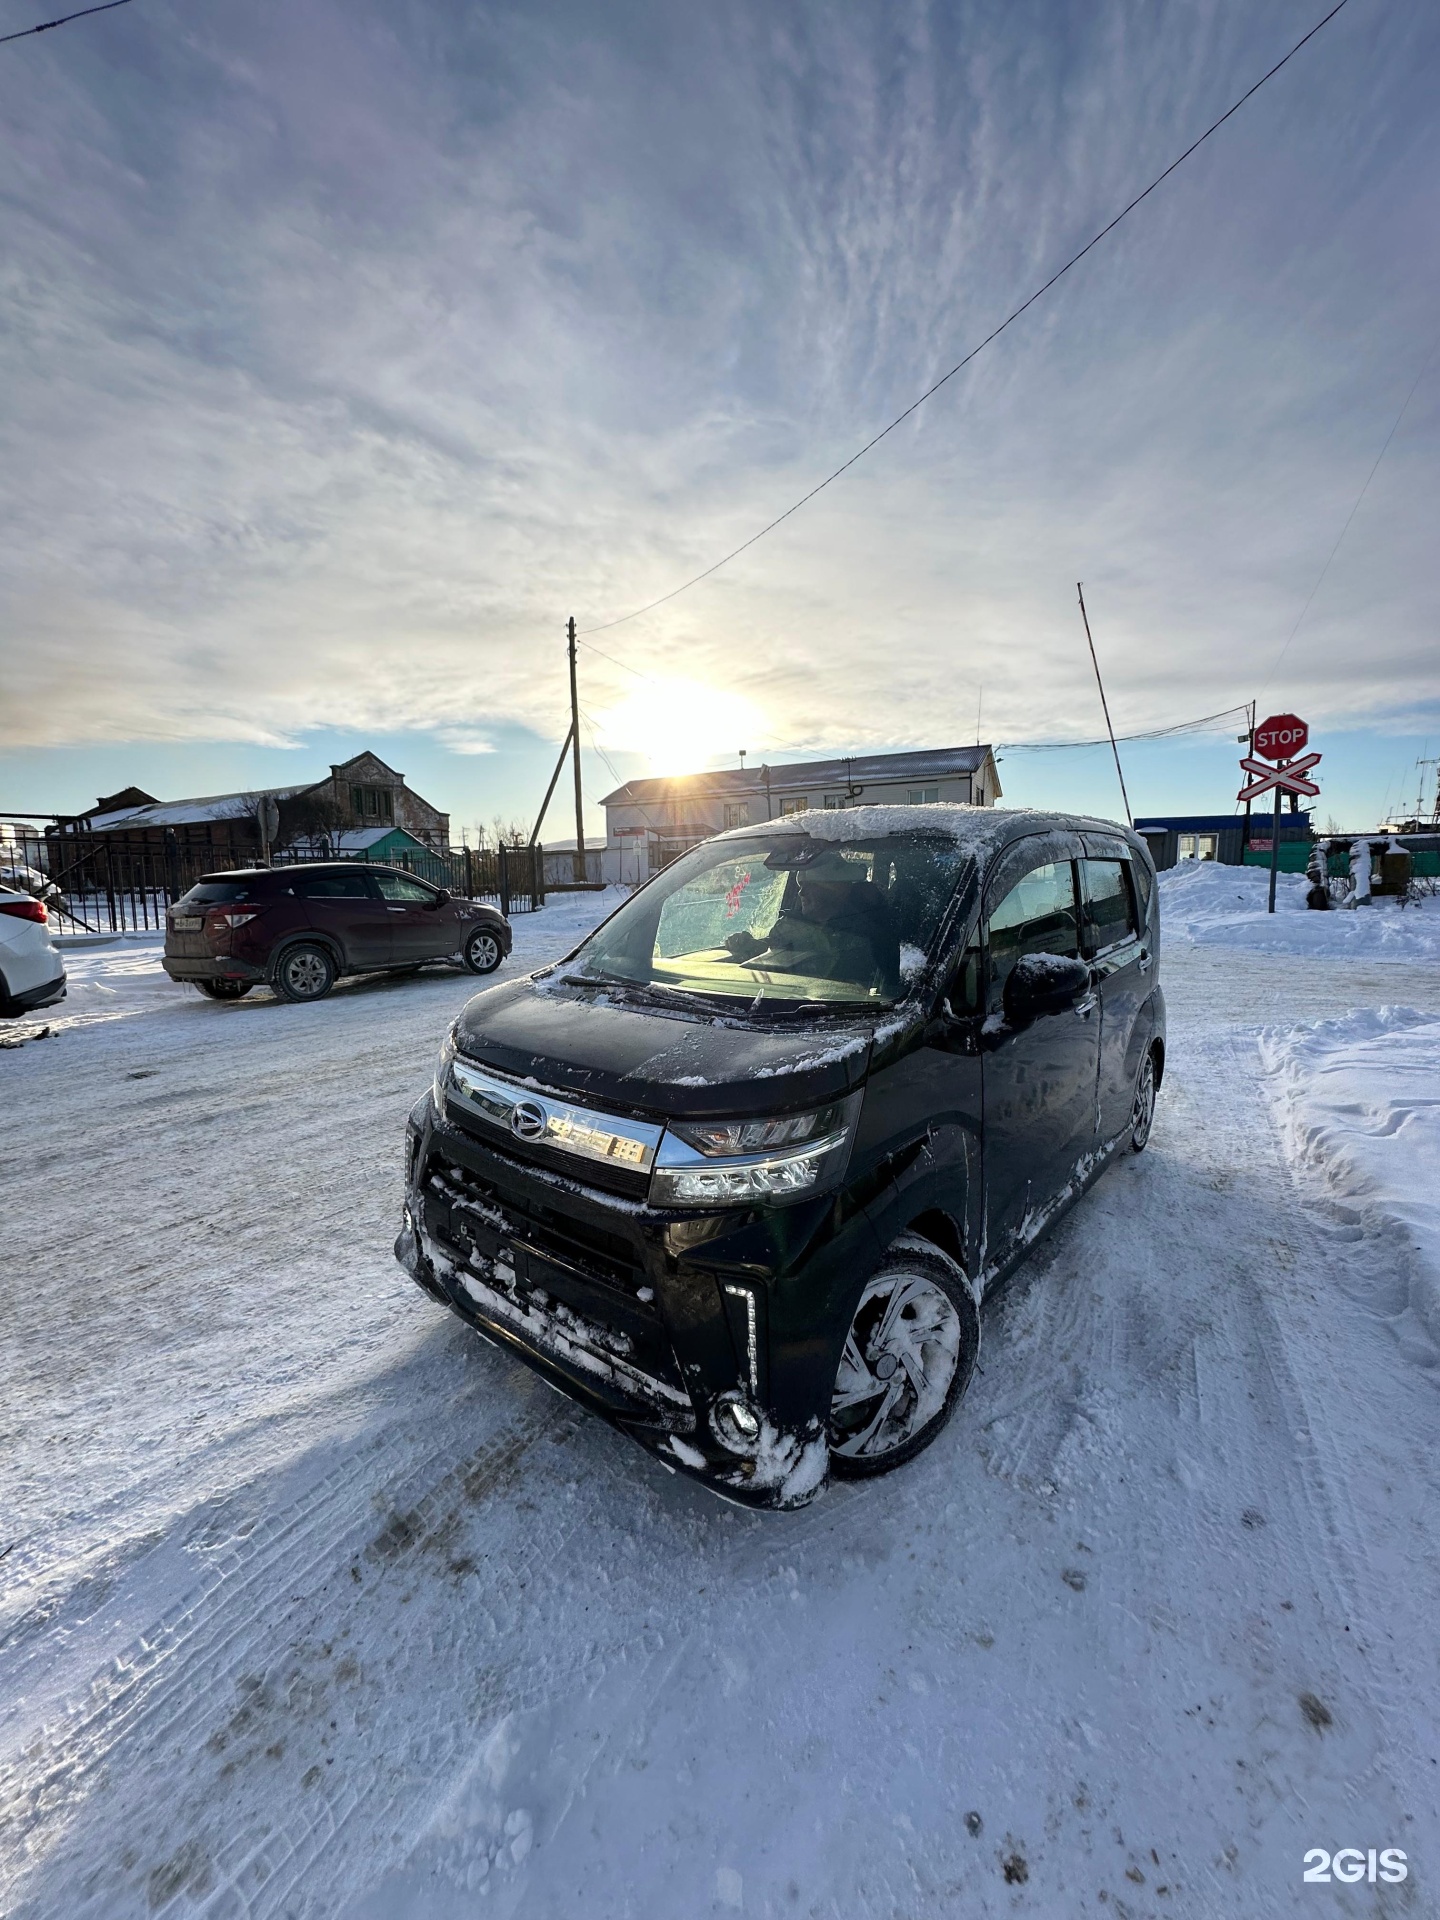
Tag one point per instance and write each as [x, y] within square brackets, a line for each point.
[1214, 905]
[1360, 1101]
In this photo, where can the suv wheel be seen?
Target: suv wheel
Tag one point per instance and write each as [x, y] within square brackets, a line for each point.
[482, 951]
[224, 989]
[305, 973]
[1142, 1114]
[908, 1357]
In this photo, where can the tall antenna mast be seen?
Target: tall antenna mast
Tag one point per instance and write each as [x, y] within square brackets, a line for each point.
[1129, 817]
[580, 873]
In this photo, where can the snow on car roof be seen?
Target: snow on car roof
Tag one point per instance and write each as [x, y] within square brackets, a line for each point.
[978, 829]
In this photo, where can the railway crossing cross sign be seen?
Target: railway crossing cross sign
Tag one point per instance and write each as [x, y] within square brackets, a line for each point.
[1289, 779]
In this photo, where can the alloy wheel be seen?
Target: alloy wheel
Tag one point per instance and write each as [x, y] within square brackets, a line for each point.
[306, 974]
[900, 1359]
[483, 953]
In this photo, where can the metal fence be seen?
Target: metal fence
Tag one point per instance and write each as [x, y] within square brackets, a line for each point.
[122, 883]
[569, 872]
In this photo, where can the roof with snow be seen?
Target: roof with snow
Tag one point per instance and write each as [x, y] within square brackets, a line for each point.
[887, 769]
[185, 813]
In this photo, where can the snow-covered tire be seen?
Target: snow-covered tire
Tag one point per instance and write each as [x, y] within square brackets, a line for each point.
[224, 989]
[483, 952]
[305, 972]
[1142, 1112]
[909, 1355]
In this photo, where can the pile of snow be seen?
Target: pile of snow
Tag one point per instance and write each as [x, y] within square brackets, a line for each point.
[1360, 1100]
[1214, 905]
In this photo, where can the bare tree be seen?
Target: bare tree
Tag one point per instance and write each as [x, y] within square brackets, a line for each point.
[313, 821]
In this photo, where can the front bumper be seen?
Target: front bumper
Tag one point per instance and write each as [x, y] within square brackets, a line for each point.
[649, 1318]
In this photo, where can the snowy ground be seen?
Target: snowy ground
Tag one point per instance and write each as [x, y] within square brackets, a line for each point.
[1225, 906]
[313, 1604]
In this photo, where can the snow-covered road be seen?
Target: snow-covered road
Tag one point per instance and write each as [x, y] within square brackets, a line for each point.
[313, 1604]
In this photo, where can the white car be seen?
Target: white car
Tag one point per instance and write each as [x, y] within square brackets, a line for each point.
[32, 973]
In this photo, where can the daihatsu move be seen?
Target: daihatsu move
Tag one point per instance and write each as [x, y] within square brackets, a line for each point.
[739, 1171]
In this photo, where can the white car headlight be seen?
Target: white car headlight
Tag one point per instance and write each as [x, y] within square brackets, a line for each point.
[753, 1162]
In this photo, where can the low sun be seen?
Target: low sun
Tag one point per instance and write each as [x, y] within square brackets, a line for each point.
[680, 725]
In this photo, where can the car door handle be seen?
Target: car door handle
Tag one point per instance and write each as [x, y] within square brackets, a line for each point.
[395, 909]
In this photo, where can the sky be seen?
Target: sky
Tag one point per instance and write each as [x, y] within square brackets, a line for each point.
[346, 350]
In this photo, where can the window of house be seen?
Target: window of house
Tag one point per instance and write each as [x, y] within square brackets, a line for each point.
[834, 801]
[800, 805]
[373, 804]
[924, 796]
[737, 813]
[1198, 846]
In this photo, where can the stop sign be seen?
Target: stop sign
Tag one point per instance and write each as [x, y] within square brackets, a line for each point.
[1281, 737]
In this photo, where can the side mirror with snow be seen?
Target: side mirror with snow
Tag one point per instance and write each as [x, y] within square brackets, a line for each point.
[1043, 983]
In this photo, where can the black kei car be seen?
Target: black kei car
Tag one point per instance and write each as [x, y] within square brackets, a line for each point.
[739, 1171]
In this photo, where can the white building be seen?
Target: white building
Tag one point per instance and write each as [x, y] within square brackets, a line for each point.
[651, 822]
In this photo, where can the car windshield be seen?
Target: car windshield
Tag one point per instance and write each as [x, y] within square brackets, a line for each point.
[786, 918]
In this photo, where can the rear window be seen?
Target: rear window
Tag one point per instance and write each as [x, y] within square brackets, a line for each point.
[216, 893]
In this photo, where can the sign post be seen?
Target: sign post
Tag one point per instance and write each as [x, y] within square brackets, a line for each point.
[1281, 735]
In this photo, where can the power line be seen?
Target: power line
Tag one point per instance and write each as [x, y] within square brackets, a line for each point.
[1074, 260]
[1424, 365]
[1151, 733]
[108, 6]
[623, 666]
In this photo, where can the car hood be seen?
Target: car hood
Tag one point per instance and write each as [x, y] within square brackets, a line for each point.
[643, 1060]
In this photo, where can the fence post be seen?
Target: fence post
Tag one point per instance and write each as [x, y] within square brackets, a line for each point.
[469, 875]
[109, 885]
[503, 862]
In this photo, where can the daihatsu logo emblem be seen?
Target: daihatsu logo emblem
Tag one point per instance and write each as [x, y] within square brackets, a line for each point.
[528, 1120]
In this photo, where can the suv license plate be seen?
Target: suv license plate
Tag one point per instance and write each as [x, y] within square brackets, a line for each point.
[189, 922]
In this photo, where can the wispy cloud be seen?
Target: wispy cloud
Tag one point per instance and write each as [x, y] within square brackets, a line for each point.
[348, 349]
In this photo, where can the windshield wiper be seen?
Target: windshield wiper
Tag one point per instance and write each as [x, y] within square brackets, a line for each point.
[652, 990]
[742, 1005]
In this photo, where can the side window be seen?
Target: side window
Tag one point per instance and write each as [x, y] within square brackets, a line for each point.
[1109, 907]
[334, 886]
[1037, 915]
[1143, 881]
[401, 888]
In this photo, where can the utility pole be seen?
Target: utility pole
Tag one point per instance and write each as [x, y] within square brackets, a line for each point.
[1245, 835]
[1105, 705]
[580, 873]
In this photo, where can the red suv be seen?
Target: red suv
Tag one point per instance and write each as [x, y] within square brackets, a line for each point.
[297, 929]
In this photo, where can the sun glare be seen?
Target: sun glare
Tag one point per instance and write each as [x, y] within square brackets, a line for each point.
[681, 725]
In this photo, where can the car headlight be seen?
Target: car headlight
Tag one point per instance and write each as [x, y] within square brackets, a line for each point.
[735, 1163]
[442, 1071]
